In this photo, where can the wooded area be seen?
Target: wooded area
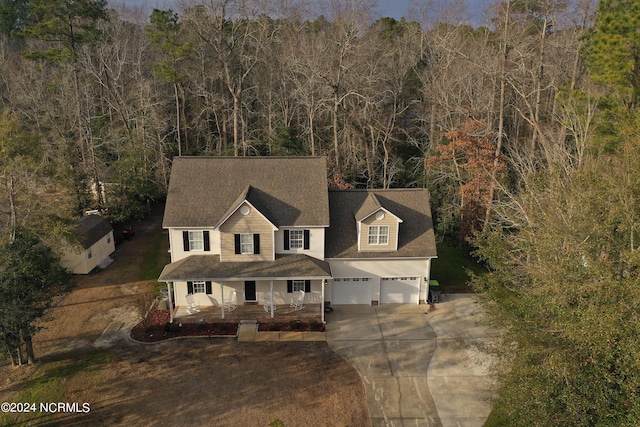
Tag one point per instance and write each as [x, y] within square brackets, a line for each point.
[108, 97]
[526, 132]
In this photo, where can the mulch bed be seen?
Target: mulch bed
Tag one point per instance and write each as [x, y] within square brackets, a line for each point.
[160, 329]
[293, 326]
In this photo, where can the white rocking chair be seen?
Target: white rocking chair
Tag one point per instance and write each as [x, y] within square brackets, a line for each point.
[298, 304]
[192, 305]
[267, 307]
[231, 304]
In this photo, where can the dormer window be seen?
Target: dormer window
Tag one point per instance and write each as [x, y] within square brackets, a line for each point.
[378, 235]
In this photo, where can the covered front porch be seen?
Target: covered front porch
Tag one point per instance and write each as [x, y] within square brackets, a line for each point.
[282, 313]
[202, 288]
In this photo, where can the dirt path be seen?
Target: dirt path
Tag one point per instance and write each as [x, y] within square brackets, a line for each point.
[100, 298]
[200, 382]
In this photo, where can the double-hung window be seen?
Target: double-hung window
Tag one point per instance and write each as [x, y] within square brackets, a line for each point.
[246, 244]
[296, 239]
[196, 241]
[199, 288]
[378, 234]
[298, 285]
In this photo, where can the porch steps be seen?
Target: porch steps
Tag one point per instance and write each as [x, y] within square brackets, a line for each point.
[247, 330]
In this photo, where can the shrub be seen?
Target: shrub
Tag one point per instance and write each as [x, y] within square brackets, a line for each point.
[295, 325]
[274, 327]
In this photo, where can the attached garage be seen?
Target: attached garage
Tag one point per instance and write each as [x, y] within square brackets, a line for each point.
[399, 290]
[356, 290]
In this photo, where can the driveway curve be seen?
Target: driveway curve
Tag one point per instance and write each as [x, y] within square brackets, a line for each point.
[421, 365]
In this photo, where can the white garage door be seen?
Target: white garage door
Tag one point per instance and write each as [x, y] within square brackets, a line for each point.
[355, 290]
[399, 290]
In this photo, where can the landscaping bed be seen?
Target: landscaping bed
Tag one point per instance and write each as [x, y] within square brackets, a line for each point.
[292, 326]
[159, 328]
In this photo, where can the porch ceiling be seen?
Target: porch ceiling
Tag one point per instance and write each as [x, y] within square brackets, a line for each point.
[208, 267]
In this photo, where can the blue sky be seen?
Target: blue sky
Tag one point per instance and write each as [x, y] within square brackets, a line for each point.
[399, 8]
[393, 8]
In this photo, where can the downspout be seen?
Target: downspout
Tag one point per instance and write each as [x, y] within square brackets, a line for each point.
[428, 279]
[322, 302]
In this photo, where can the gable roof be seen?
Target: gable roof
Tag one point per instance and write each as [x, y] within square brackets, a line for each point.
[92, 228]
[370, 205]
[244, 199]
[289, 191]
[415, 234]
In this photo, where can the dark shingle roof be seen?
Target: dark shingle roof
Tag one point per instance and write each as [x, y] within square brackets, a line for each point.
[415, 239]
[207, 267]
[368, 206]
[290, 191]
[92, 228]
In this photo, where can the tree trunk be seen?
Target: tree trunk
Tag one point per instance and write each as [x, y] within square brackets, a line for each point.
[503, 66]
[336, 147]
[26, 337]
[12, 203]
[175, 91]
[236, 133]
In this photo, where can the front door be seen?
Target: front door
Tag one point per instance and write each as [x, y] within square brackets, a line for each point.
[250, 291]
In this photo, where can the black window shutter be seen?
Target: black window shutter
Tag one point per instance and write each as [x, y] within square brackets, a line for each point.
[208, 285]
[185, 240]
[237, 239]
[256, 243]
[289, 286]
[189, 288]
[307, 285]
[205, 237]
[286, 240]
[306, 239]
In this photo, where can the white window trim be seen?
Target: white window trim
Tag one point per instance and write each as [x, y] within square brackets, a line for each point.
[297, 285]
[376, 232]
[199, 287]
[296, 242]
[193, 240]
[246, 244]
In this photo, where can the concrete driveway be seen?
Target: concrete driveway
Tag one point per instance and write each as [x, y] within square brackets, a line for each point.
[421, 365]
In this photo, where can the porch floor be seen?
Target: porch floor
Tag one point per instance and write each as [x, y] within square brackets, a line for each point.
[283, 313]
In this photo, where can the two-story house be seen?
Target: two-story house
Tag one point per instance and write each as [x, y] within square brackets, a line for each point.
[261, 229]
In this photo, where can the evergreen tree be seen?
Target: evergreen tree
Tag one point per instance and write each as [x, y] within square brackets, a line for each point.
[612, 50]
[30, 277]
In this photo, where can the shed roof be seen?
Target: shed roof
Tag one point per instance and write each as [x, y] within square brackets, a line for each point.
[92, 228]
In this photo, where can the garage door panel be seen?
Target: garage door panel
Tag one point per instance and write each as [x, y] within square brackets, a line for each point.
[351, 291]
[399, 290]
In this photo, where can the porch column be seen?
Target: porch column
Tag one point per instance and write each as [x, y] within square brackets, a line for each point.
[169, 286]
[322, 301]
[271, 289]
[222, 298]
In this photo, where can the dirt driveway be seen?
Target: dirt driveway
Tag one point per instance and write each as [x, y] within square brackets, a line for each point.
[200, 382]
